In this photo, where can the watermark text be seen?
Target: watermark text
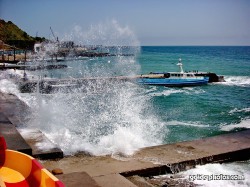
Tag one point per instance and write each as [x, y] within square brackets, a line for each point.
[215, 177]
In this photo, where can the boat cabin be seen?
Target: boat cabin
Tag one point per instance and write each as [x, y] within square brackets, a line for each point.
[176, 74]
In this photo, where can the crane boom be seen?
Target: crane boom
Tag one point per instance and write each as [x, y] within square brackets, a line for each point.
[56, 38]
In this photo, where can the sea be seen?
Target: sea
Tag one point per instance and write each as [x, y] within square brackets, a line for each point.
[120, 118]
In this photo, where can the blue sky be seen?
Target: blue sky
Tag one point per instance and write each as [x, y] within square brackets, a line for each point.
[153, 22]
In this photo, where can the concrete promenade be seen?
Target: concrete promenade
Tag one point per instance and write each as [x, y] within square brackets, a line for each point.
[152, 161]
[107, 171]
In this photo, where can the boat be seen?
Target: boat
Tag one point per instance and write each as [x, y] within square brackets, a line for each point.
[173, 79]
[213, 77]
[21, 170]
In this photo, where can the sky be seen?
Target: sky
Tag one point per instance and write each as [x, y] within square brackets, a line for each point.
[152, 22]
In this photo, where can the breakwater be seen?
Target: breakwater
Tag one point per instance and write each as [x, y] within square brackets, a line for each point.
[53, 85]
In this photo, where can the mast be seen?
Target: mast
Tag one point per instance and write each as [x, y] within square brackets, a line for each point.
[180, 65]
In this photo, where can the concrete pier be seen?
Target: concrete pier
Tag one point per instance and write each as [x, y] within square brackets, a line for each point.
[13, 138]
[13, 114]
[84, 84]
[53, 85]
[9, 115]
[36, 137]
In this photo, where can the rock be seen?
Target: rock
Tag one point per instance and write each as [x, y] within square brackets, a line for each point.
[57, 171]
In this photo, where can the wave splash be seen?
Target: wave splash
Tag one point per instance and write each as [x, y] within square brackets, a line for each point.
[244, 123]
[237, 81]
[103, 123]
[115, 120]
[213, 174]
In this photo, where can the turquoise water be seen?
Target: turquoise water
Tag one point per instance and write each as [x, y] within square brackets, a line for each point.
[122, 118]
[207, 110]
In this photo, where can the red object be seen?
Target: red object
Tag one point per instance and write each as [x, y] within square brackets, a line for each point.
[20, 170]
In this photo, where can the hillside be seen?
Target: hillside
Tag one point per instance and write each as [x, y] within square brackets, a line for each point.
[9, 31]
[13, 35]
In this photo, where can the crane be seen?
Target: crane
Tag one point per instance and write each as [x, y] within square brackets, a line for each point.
[56, 38]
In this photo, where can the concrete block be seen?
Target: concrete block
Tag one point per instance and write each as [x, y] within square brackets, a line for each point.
[77, 179]
[13, 138]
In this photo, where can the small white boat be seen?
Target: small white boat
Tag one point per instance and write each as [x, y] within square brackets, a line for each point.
[173, 79]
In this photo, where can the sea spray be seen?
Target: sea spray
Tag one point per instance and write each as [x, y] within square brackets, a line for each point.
[229, 174]
[107, 33]
[108, 117]
[243, 81]
[117, 121]
[7, 86]
[233, 174]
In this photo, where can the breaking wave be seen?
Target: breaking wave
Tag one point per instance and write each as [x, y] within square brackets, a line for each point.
[192, 124]
[170, 91]
[237, 81]
[211, 174]
[244, 123]
[108, 118]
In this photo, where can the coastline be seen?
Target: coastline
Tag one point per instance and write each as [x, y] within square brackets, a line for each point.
[113, 170]
[145, 162]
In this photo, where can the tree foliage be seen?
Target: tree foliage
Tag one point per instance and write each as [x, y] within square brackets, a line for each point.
[12, 34]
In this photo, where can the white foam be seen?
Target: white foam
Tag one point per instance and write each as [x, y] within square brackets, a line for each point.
[124, 140]
[192, 124]
[169, 91]
[12, 72]
[99, 124]
[239, 110]
[206, 175]
[245, 123]
[165, 92]
[7, 86]
[236, 81]
[193, 90]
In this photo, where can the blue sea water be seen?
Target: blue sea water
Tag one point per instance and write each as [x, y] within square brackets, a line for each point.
[122, 118]
[192, 113]
[125, 117]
